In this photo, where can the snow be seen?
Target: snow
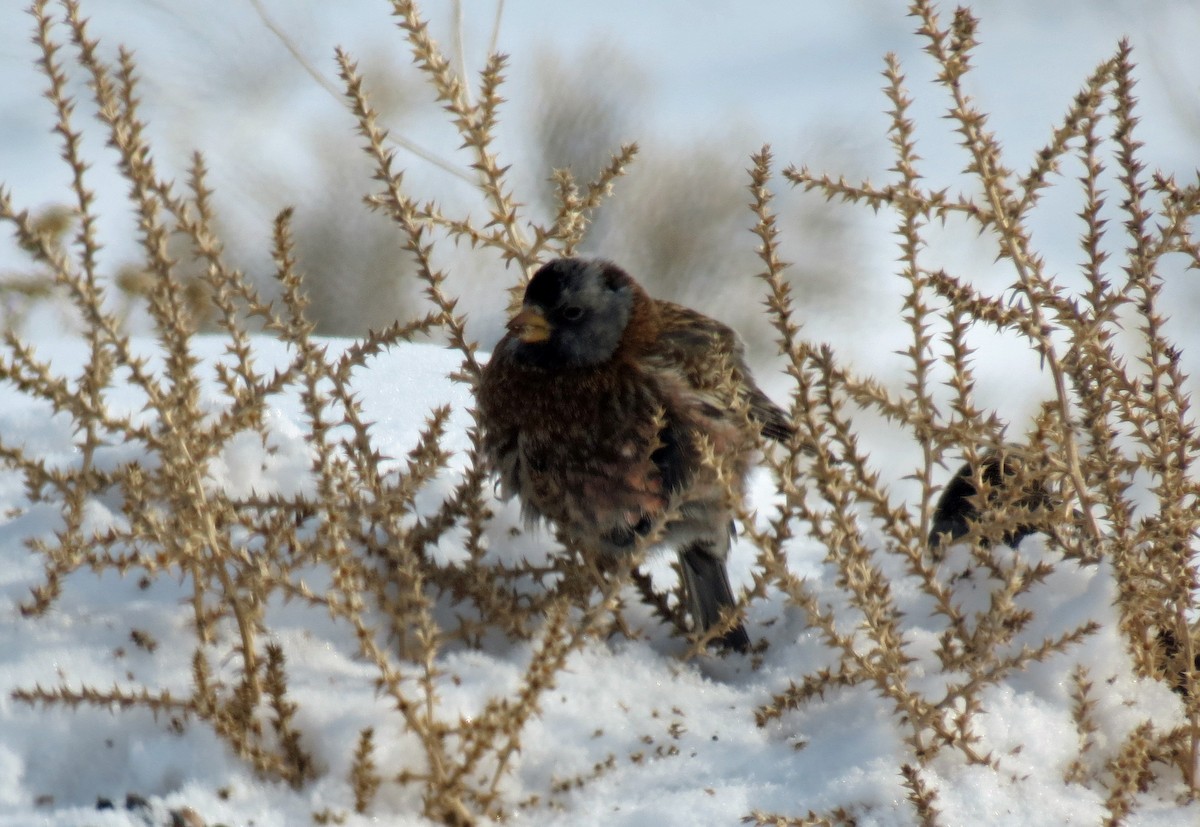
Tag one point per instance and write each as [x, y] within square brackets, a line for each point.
[685, 745]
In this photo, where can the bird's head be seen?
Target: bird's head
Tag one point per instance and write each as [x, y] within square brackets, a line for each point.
[574, 314]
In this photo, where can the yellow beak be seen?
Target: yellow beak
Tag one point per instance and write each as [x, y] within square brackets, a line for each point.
[530, 325]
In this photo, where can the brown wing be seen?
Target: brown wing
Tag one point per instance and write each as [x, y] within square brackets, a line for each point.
[712, 357]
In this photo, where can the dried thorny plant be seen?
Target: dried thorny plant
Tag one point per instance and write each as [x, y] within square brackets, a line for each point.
[353, 522]
[20, 291]
[1116, 412]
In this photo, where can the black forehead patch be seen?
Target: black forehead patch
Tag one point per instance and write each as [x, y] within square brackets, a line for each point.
[546, 287]
[564, 275]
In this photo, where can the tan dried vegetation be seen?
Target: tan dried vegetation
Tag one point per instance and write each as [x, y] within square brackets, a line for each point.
[1115, 413]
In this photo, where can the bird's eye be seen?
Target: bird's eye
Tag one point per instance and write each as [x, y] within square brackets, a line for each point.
[572, 313]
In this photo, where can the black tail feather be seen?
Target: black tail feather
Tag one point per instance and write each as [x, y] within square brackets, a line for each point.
[707, 592]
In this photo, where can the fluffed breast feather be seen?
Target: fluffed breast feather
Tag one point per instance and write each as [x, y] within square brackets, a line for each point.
[623, 437]
[593, 436]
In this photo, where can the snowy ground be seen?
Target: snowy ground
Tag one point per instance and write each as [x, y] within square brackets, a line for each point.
[686, 747]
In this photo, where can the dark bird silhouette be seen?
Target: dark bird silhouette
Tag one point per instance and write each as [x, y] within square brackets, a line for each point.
[959, 506]
[626, 421]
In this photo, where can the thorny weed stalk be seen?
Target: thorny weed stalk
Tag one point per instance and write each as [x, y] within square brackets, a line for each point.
[355, 522]
[1113, 416]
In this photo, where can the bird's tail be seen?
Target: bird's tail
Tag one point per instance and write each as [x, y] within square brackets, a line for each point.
[707, 592]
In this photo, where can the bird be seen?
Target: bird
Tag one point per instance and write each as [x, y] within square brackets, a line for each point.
[958, 509]
[628, 422]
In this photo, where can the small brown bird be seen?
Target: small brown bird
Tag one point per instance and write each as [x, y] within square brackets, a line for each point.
[625, 420]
